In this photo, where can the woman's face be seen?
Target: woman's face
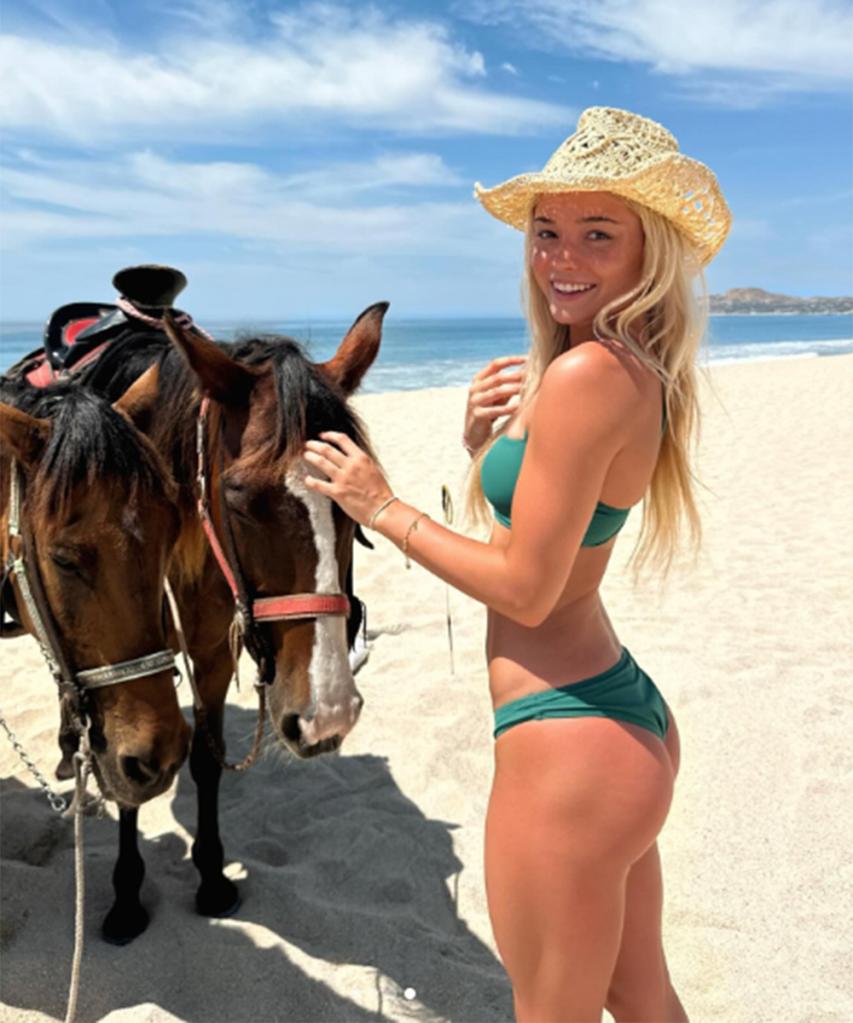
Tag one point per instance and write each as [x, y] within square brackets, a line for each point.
[586, 248]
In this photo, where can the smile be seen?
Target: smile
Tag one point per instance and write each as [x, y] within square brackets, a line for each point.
[571, 289]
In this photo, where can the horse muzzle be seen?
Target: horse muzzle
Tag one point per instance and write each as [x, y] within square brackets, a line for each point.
[133, 774]
[321, 729]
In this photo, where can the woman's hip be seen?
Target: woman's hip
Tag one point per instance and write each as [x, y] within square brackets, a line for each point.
[623, 692]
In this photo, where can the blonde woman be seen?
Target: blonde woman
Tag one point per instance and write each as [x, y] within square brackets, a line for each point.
[586, 749]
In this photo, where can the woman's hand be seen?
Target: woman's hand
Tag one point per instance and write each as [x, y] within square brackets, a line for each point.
[354, 479]
[492, 394]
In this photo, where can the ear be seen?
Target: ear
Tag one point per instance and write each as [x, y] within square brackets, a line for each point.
[358, 349]
[22, 436]
[219, 376]
[138, 401]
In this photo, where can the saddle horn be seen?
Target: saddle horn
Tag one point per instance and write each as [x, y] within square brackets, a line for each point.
[150, 286]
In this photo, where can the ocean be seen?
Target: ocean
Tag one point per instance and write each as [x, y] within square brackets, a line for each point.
[448, 352]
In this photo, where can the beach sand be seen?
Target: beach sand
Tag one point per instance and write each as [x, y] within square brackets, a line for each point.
[361, 875]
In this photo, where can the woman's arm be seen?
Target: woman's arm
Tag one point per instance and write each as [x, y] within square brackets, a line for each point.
[581, 418]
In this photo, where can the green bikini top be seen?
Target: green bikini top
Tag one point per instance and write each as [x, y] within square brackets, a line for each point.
[499, 473]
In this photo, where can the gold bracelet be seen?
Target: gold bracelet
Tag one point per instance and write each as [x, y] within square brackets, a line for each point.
[413, 526]
[381, 508]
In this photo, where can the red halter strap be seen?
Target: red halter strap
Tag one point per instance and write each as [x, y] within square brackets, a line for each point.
[300, 605]
[264, 609]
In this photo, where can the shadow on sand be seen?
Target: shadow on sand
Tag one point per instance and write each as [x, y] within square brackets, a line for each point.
[336, 862]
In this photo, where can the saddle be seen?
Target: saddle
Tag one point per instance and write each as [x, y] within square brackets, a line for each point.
[76, 334]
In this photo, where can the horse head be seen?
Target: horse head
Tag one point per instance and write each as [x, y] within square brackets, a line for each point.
[98, 521]
[266, 399]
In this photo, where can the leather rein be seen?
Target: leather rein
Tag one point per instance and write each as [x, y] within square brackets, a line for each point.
[31, 588]
[251, 611]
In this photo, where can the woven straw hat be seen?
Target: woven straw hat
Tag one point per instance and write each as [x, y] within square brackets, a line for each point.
[628, 155]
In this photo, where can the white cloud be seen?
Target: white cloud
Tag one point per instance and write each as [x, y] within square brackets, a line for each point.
[394, 171]
[254, 242]
[793, 44]
[510, 69]
[380, 205]
[359, 68]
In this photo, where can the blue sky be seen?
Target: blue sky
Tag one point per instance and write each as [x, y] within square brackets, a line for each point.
[306, 160]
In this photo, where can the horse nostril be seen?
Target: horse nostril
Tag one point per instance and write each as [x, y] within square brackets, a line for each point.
[290, 728]
[140, 771]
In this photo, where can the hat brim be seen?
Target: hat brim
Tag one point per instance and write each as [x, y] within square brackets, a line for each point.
[678, 188]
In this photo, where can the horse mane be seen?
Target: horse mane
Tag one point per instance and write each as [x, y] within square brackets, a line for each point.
[307, 401]
[89, 442]
[124, 360]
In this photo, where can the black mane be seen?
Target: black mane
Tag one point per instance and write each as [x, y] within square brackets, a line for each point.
[89, 441]
[307, 401]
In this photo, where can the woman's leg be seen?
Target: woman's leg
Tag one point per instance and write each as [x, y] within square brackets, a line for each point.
[640, 989]
[575, 802]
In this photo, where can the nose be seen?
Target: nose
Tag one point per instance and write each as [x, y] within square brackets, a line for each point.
[292, 730]
[564, 256]
[141, 770]
[321, 729]
[154, 767]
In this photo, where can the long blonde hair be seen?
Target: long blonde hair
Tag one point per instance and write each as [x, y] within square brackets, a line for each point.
[671, 319]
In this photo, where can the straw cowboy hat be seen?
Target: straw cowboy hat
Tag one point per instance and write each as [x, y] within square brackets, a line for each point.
[628, 155]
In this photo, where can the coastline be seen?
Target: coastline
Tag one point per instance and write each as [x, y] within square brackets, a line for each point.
[783, 312]
[436, 352]
[361, 874]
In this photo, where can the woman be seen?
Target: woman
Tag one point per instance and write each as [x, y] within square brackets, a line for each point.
[586, 749]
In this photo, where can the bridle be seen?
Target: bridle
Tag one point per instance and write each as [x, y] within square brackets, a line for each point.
[77, 684]
[251, 611]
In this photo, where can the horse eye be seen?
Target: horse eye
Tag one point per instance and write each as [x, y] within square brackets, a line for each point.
[63, 562]
[238, 500]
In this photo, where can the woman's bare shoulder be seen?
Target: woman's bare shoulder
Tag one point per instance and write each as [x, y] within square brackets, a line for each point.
[612, 365]
[593, 367]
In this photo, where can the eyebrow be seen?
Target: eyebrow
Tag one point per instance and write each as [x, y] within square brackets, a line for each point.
[581, 220]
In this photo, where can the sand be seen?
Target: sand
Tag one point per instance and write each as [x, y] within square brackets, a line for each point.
[361, 875]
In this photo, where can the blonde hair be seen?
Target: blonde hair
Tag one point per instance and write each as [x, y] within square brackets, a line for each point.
[671, 321]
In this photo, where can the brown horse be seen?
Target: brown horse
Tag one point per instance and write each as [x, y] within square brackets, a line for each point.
[98, 522]
[265, 399]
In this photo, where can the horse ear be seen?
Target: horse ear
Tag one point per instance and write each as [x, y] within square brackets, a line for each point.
[219, 376]
[357, 350]
[22, 436]
[138, 401]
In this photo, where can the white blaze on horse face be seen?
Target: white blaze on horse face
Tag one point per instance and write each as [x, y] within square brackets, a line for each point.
[335, 701]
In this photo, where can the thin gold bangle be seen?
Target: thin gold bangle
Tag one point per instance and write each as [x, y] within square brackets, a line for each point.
[412, 527]
[381, 508]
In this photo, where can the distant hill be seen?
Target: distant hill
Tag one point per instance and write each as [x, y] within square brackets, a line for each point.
[756, 300]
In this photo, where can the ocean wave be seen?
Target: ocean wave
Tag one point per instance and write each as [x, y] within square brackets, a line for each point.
[715, 355]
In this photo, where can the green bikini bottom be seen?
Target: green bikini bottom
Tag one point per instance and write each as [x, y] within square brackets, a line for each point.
[624, 692]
